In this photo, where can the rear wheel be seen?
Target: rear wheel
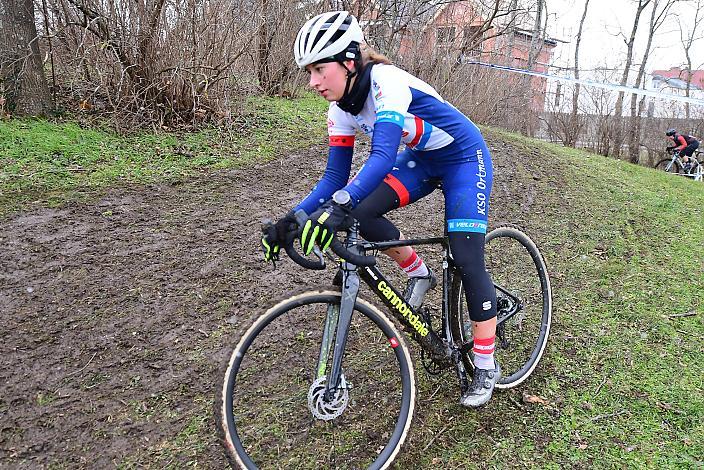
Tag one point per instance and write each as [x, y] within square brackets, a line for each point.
[524, 304]
[668, 165]
[272, 411]
[696, 170]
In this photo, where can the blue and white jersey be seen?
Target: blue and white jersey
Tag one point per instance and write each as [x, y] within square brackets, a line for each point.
[400, 108]
[428, 122]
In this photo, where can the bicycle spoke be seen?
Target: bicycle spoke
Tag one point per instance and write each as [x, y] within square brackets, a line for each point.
[524, 305]
[280, 410]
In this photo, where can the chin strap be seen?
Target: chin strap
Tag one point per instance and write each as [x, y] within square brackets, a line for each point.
[355, 95]
[350, 75]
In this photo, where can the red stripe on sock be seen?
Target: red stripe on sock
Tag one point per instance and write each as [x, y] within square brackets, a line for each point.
[409, 261]
[483, 351]
[411, 270]
[484, 341]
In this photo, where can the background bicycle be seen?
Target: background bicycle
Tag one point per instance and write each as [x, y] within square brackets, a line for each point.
[291, 398]
[674, 164]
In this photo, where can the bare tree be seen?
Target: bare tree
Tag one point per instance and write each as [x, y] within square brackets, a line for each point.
[536, 44]
[660, 11]
[617, 140]
[22, 78]
[573, 129]
[157, 61]
[688, 38]
[513, 9]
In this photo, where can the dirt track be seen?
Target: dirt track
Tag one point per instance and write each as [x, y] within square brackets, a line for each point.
[117, 314]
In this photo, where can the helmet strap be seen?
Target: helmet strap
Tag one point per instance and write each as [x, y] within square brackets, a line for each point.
[352, 101]
[350, 75]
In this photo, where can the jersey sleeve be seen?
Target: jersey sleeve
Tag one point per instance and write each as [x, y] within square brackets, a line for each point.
[681, 142]
[391, 102]
[341, 135]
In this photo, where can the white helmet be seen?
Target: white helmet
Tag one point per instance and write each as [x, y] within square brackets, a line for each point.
[325, 37]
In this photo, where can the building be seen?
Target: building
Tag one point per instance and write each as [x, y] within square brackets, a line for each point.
[460, 31]
[675, 81]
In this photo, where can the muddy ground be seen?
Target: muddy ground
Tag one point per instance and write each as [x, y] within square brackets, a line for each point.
[118, 313]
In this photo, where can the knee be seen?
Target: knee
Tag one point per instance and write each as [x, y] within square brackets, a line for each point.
[372, 223]
[468, 252]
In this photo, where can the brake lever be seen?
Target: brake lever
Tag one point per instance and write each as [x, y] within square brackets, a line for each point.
[319, 254]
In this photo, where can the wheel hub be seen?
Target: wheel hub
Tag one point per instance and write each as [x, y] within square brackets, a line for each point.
[330, 409]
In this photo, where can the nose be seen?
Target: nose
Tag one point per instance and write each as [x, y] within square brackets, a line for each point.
[314, 81]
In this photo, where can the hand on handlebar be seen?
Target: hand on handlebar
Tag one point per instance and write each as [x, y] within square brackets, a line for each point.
[275, 235]
[281, 235]
[322, 225]
[352, 255]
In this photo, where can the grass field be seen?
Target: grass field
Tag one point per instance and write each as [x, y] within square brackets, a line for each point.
[622, 381]
[55, 161]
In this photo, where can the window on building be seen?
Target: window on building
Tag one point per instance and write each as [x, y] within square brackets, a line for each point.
[446, 35]
[472, 40]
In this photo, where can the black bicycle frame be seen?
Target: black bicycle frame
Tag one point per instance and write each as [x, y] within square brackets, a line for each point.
[410, 318]
[442, 349]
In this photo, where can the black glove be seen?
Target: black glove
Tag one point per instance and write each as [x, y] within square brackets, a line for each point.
[322, 225]
[276, 234]
[669, 149]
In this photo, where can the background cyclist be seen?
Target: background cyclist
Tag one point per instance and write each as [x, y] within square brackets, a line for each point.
[684, 144]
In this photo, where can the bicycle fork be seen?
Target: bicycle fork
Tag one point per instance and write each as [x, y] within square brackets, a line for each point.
[337, 324]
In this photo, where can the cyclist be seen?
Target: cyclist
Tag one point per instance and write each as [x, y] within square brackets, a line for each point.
[368, 94]
[684, 144]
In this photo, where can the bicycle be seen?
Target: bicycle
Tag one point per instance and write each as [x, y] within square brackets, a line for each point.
[288, 402]
[676, 165]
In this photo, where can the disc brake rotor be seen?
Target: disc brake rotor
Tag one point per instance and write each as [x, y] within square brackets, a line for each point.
[331, 409]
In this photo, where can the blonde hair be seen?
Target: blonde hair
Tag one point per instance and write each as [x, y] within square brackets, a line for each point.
[370, 55]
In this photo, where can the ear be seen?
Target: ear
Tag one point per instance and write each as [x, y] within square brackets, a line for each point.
[350, 65]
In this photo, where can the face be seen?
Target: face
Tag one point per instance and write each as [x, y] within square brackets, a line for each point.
[329, 79]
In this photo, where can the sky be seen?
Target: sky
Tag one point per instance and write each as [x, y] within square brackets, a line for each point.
[601, 44]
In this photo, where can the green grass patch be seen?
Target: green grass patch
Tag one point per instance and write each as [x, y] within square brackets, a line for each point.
[622, 375]
[51, 161]
[184, 446]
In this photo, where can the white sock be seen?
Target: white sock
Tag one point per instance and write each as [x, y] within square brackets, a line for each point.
[414, 266]
[484, 353]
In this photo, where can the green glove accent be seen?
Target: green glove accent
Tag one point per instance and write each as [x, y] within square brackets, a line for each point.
[271, 250]
[308, 237]
[322, 225]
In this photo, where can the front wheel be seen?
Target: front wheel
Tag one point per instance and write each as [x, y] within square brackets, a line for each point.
[668, 165]
[524, 304]
[273, 412]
